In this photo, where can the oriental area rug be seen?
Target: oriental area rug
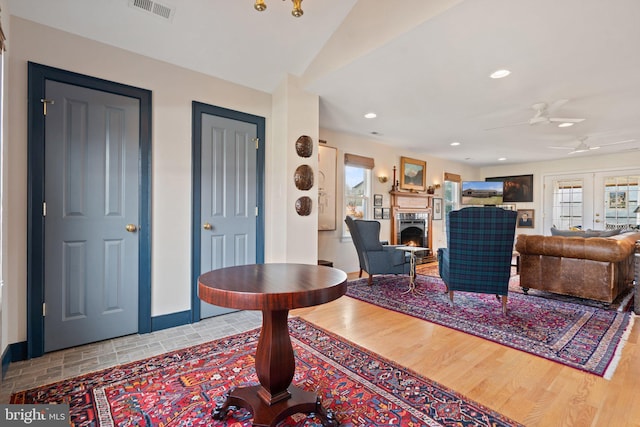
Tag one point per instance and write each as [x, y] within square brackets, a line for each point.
[183, 387]
[583, 337]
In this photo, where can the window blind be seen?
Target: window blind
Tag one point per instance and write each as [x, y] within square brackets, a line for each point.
[358, 161]
[452, 177]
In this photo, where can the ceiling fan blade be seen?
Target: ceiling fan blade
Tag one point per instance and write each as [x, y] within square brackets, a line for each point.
[618, 142]
[565, 120]
[556, 104]
[562, 148]
[508, 126]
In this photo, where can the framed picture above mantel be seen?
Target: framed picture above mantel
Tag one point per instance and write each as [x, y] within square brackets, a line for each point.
[413, 174]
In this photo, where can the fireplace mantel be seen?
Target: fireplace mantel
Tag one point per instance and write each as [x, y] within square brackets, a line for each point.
[409, 202]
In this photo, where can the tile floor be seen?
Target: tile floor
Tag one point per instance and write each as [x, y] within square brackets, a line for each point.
[71, 362]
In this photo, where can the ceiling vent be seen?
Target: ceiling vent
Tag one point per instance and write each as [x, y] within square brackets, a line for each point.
[155, 8]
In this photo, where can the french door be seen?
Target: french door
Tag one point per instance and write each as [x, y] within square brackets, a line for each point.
[598, 200]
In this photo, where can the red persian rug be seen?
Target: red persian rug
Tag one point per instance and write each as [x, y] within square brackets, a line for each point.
[576, 335]
[182, 387]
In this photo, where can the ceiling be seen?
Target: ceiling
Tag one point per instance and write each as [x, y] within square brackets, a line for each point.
[423, 67]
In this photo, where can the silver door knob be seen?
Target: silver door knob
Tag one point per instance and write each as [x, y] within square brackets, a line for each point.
[207, 226]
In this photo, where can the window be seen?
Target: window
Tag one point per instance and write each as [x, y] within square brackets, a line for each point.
[621, 201]
[451, 189]
[567, 203]
[357, 191]
[357, 187]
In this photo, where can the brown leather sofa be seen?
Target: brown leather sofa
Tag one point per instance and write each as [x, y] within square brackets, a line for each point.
[597, 268]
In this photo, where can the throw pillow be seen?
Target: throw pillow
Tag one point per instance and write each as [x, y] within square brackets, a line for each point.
[567, 233]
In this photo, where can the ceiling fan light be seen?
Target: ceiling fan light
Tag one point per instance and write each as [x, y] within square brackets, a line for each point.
[498, 74]
[565, 124]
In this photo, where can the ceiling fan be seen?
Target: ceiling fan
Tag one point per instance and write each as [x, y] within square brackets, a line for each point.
[542, 112]
[583, 147]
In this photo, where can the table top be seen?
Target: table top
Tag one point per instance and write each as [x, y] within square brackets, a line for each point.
[272, 286]
[412, 248]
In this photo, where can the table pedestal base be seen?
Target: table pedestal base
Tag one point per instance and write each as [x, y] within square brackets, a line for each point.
[302, 401]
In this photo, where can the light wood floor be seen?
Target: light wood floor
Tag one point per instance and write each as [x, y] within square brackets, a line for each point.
[526, 388]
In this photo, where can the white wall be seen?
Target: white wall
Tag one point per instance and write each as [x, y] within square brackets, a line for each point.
[577, 164]
[4, 20]
[342, 252]
[173, 89]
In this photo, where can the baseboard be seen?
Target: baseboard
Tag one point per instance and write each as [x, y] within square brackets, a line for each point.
[13, 353]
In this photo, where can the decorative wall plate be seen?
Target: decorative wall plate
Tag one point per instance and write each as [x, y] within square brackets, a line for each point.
[303, 206]
[304, 146]
[303, 177]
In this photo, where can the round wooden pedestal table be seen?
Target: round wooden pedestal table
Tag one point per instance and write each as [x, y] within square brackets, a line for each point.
[274, 289]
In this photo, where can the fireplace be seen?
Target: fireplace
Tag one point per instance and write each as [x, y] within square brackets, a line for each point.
[412, 228]
[411, 221]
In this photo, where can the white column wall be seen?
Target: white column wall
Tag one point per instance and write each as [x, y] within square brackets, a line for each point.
[4, 19]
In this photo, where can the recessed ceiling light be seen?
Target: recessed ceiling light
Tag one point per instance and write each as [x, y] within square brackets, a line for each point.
[565, 124]
[502, 159]
[454, 144]
[498, 74]
[370, 115]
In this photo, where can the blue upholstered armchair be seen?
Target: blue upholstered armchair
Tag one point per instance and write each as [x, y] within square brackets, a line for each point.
[479, 251]
[374, 257]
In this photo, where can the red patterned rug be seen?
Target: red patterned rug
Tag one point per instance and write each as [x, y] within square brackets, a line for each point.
[182, 387]
[576, 335]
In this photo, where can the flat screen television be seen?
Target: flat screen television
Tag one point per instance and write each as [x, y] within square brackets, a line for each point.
[481, 193]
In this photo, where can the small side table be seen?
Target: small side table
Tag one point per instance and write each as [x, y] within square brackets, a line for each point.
[412, 265]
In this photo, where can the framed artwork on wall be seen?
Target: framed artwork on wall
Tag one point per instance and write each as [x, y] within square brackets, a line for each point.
[377, 213]
[525, 218]
[377, 200]
[437, 208]
[413, 174]
[516, 188]
[385, 213]
[327, 158]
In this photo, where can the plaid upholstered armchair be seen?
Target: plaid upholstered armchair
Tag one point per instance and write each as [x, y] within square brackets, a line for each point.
[375, 257]
[479, 251]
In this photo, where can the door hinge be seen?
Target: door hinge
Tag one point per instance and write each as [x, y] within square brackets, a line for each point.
[44, 104]
[44, 309]
[44, 208]
[257, 141]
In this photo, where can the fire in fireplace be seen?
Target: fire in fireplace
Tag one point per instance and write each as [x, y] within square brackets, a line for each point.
[412, 228]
